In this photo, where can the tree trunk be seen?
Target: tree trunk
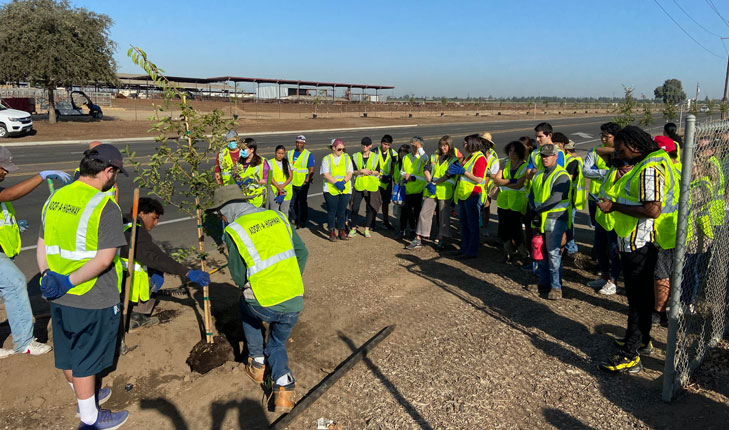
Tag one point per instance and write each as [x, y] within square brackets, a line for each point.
[51, 107]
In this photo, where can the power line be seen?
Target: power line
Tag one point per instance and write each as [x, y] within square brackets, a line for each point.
[686, 32]
[713, 7]
[696, 22]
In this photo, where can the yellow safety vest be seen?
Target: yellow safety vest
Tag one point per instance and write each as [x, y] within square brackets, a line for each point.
[465, 186]
[9, 231]
[225, 161]
[339, 172]
[280, 177]
[264, 240]
[542, 189]
[717, 205]
[299, 167]
[386, 161]
[491, 158]
[607, 191]
[628, 193]
[536, 158]
[366, 182]
[443, 190]
[71, 224]
[579, 189]
[700, 215]
[255, 189]
[139, 289]
[509, 198]
[601, 165]
[415, 166]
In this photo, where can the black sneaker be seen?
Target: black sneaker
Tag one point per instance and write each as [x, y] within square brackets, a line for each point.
[388, 226]
[621, 363]
[645, 348]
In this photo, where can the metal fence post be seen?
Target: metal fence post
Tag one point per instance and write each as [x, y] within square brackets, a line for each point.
[687, 155]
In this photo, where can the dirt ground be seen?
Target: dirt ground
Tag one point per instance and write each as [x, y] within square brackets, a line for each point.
[129, 118]
[471, 350]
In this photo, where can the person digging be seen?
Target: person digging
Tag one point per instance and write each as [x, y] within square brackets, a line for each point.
[266, 258]
[151, 263]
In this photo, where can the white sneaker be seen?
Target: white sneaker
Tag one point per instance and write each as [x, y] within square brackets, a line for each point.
[609, 289]
[37, 348]
[597, 283]
[5, 352]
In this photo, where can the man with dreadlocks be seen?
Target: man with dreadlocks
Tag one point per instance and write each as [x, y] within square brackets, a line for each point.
[636, 206]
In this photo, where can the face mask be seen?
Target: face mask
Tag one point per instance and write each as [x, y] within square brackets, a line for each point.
[244, 153]
[232, 145]
[421, 151]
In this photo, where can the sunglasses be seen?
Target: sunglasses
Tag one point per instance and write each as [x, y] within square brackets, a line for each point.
[339, 149]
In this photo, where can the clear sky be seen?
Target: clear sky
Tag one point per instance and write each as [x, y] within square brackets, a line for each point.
[434, 48]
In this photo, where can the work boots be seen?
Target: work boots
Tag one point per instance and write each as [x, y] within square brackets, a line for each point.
[255, 371]
[283, 398]
[332, 236]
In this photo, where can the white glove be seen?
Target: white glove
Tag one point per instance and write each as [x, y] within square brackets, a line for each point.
[56, 174]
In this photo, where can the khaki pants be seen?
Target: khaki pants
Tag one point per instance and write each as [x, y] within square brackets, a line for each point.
[425, 220]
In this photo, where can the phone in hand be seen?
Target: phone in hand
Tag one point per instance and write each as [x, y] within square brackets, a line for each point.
[593, 197]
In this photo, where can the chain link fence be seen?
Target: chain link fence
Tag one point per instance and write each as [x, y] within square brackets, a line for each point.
[698, 310]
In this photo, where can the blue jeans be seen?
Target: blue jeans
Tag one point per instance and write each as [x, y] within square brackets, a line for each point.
[550, 268]
[336, 209]
[695, 269]
[571, 246]
[14, 290]
[280, 325]
[470, 212]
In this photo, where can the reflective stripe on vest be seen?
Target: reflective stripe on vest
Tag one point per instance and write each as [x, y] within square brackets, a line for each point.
[299, 167]
[71, 222]
[255, 189]
[465, 186]
[700, 215]
[509, 198]
[579, 188]
[139, 289]
[278, 176]
[264, 240]
[443, 190]
[601, 165]
[542, 190]
[628, 193]
[387, 162]
[415, 166]
[366, 182]
[607, 191]
[339, 172]
[9, 231]
[225, 161]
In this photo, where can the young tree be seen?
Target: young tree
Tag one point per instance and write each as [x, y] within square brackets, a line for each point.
[669, 112]
[625, 110]
[647, 119]
[50, 44]
[174, 172]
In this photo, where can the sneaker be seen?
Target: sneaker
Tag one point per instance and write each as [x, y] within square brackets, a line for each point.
[597, 283]
[367, 233]
[400, 235]
[343, 235]
[388, 226]
[283, 398]
[439, 245]
[332, 236]
[608, 289]
[621, 363]
[102, 395]
[645, 348]
[352, 233]
[37, 348]
[415, 244]
[5, 352]
[554, 294]
[137, 321]
[255, 370]
[107, 420]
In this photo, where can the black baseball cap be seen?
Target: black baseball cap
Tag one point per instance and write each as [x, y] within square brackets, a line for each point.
[108, 154]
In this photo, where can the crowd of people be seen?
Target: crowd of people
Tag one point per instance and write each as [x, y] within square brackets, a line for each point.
[629, 185]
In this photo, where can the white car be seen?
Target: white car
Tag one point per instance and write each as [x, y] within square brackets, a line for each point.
[704, 109]
[14, 122]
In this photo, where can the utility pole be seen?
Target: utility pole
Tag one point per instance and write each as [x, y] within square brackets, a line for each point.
[726, 81]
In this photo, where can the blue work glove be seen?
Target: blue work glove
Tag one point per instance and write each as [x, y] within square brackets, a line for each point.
[156, 281]
[412, 178]
[199, 277]
[54, 285]
[386, 178]
[279, 199]
[456, 169]
[431, 187]
[22, 225]
[246, 182]
[56, 174]
[340, 185]
[512, 181]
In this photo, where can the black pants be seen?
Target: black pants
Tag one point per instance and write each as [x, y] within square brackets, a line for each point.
[385, 198]
[638, 268]
[510, 226]
[411, 211]
[372, 205]
[299, 210]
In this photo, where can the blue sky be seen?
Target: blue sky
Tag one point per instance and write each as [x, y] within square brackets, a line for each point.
[481, 48]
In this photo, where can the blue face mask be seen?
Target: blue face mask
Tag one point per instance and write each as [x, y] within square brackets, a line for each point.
[232, 145]
[244, 153]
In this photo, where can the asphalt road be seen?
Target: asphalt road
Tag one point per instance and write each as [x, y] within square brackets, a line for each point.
[178, 232]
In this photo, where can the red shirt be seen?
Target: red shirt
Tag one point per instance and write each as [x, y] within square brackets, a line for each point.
[234, 155]
[479, 169]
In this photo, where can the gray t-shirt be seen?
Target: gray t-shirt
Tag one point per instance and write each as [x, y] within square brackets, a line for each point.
[105, 292]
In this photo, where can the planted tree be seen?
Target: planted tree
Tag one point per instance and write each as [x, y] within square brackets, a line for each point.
[178, 173]
[669, 112]
[626, 108]
[647, 119]
[50, 44]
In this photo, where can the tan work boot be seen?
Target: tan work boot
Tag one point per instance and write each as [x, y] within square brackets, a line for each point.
[283, 399]
[255, 371]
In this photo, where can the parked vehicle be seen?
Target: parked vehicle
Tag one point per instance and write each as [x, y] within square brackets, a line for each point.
[75, 107]
[704, 109]
[14, 122]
